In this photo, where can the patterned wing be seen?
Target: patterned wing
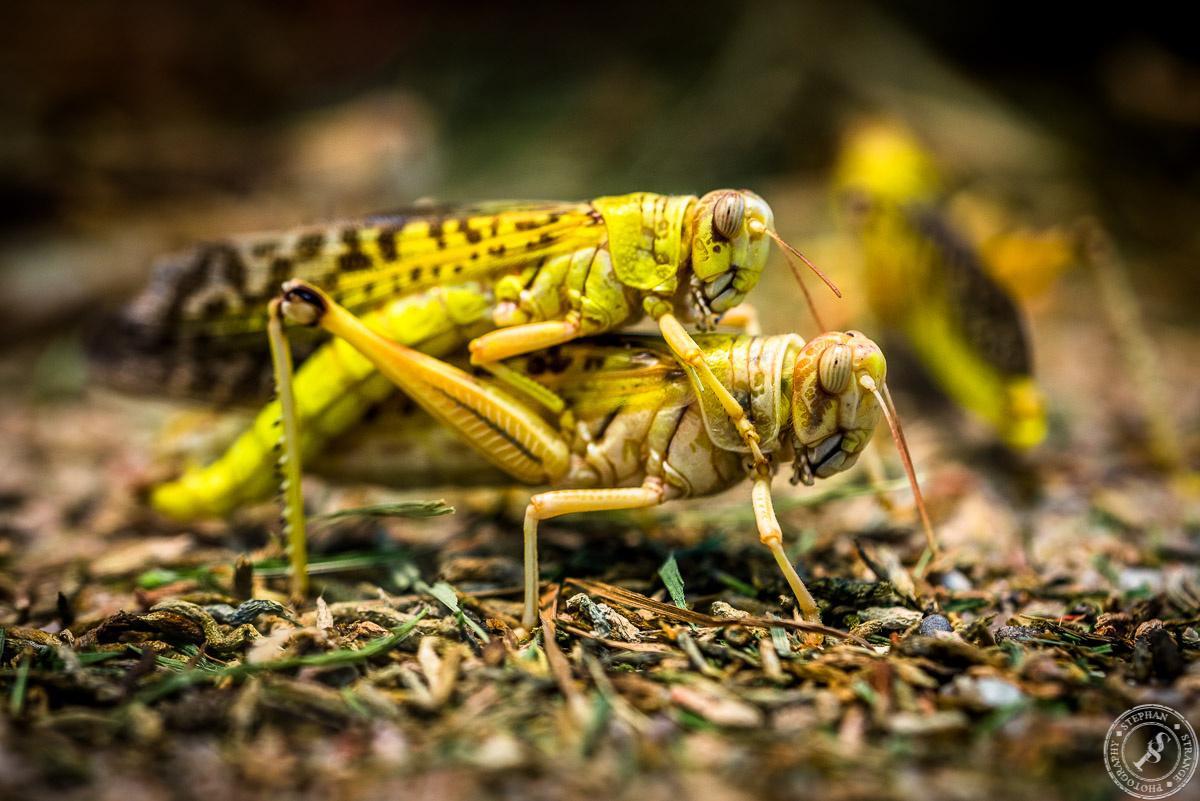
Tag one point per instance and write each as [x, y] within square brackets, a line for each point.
[598, 375]
[197, 329]
[987, 318]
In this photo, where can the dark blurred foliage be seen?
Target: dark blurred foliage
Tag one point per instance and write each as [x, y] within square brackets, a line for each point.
[1123, 81]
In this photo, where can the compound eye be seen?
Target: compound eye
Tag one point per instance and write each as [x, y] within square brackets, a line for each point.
[833, 371]
[727, 214]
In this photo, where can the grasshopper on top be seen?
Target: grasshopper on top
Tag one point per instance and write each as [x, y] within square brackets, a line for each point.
[511, 278]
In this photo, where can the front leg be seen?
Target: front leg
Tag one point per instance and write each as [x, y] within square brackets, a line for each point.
[771, 535]
[505, 343]
[688, 352]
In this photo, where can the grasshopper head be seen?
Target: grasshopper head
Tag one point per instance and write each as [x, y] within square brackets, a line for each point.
[882, 164]
[833, 416]
[729, 246]
[838, 393]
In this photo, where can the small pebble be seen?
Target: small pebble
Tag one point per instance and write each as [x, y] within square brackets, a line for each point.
[1156, 654]
[934, 624]
[1141, 578]
[988, 692]
[955, 581]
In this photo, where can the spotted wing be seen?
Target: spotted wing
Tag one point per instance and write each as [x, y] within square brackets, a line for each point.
[197, 328]
[599, 375]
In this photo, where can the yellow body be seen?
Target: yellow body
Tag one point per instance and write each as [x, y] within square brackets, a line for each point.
[509, 278]
[927, 283]
[637, 432]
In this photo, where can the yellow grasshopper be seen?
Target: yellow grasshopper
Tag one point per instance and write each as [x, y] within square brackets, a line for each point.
[633, 425]
[928, 283]
[951, 277]
[509, 278]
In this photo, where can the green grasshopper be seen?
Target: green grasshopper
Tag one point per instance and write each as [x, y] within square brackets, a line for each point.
[507, 278]
[634, 425]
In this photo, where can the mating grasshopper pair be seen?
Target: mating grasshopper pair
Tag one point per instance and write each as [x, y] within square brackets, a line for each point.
[619, 424]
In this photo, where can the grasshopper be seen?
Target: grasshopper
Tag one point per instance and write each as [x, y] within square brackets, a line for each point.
[637, 426]
[507, 278]
[955, 292]
[926, 282]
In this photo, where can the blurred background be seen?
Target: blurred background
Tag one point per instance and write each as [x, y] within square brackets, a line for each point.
[125, 123]
[129, 129]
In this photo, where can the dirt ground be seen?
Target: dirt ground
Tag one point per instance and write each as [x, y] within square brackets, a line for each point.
[136, 664]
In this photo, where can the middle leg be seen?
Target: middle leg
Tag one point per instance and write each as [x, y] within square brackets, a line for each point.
[546, 505]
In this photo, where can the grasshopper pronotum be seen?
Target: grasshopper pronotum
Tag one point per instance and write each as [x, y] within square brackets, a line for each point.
[637, 427]
[509, 278]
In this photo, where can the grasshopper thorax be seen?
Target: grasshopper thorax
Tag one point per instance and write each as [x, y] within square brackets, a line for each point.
[729, 246]
[833, 416]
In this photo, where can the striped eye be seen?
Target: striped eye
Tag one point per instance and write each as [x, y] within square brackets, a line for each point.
[833, 371]
[727, 214]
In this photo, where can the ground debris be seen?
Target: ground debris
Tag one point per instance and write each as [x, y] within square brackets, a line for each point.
[606, 621]
[409, 657]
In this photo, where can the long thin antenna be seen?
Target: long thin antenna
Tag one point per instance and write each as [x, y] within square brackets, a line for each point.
[893, 419]
[788, 253]
[788, 249]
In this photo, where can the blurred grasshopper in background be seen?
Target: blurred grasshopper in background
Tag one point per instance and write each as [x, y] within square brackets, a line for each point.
[509, 278]
[928, 283]
[953, 289]
[620, 422]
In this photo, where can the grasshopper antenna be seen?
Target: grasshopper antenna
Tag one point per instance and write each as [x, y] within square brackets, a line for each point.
[808, 298]
[791, 254]
[889, 412]
[789, 250]
[289, 459]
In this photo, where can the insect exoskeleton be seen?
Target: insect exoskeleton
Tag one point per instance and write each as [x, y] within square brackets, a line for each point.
[930, 284]
[642, 430]
[504, 278]
[729, 247]
[833, 413]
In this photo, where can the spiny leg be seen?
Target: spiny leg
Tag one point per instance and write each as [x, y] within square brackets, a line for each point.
[771, 535]
[1119, 298]
[333, 389]
[293, 496]
[546, 505]
[503, 429]
[688, 352]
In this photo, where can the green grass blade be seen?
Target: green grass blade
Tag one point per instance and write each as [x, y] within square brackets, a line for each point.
[670, 576]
